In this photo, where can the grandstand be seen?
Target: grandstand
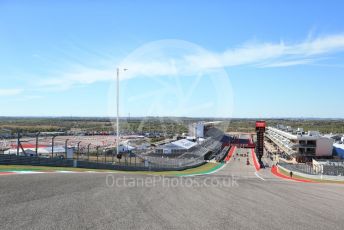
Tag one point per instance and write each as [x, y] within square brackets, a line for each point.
[300, 145]
[221, 156]
[175, 147]
[212, 147]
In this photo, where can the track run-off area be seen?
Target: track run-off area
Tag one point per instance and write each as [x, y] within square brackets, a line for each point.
[234, 195]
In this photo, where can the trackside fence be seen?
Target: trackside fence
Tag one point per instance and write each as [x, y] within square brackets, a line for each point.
[125, 166]
[330, 170]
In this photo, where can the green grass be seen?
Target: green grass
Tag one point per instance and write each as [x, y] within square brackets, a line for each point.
[208, 167]
[4, 168]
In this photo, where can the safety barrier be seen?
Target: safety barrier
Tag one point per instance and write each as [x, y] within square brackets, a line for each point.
[288, 169]
[58, 162]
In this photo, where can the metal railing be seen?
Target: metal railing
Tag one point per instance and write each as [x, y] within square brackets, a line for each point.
[103, 159]
[123, 165]
[330, 170]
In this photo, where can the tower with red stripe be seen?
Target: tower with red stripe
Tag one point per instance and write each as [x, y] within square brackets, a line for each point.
[260, 130]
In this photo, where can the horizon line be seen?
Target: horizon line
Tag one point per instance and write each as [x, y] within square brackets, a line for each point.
[187, 117]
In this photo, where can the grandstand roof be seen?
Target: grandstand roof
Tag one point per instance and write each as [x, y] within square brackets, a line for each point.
[41, 150]
[179, 144]
[183, 143]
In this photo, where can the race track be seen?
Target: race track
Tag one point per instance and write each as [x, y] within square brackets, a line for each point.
[233, 198]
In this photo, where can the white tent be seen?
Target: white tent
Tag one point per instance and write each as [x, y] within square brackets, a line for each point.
[42, 151]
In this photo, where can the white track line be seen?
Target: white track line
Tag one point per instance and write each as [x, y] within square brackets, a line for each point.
[200, 174]
[257, 175]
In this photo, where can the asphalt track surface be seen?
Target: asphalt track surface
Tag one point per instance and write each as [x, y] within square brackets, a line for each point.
[235, 197]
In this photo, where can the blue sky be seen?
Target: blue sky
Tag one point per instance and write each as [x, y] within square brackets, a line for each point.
[184, 58]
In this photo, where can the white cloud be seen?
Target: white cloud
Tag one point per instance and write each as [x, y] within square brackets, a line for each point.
[29, 97]
[287, 63]
[322, 45]
[270, 54]
[155, 59]
[10, 92]
[80, 76]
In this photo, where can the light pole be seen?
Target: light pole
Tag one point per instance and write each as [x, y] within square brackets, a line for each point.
[88, 152]
[105, 156]
[77, 155]
[18, 142]
[66, 147]
[52, 146]
[117, 118]
[97, 152]
[37, 134]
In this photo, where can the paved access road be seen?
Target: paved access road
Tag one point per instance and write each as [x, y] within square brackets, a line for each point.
[246, 201]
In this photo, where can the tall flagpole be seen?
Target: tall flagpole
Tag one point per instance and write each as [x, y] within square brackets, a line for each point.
[117, 119]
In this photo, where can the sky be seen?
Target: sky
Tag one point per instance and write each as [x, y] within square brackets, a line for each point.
[244, 59]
